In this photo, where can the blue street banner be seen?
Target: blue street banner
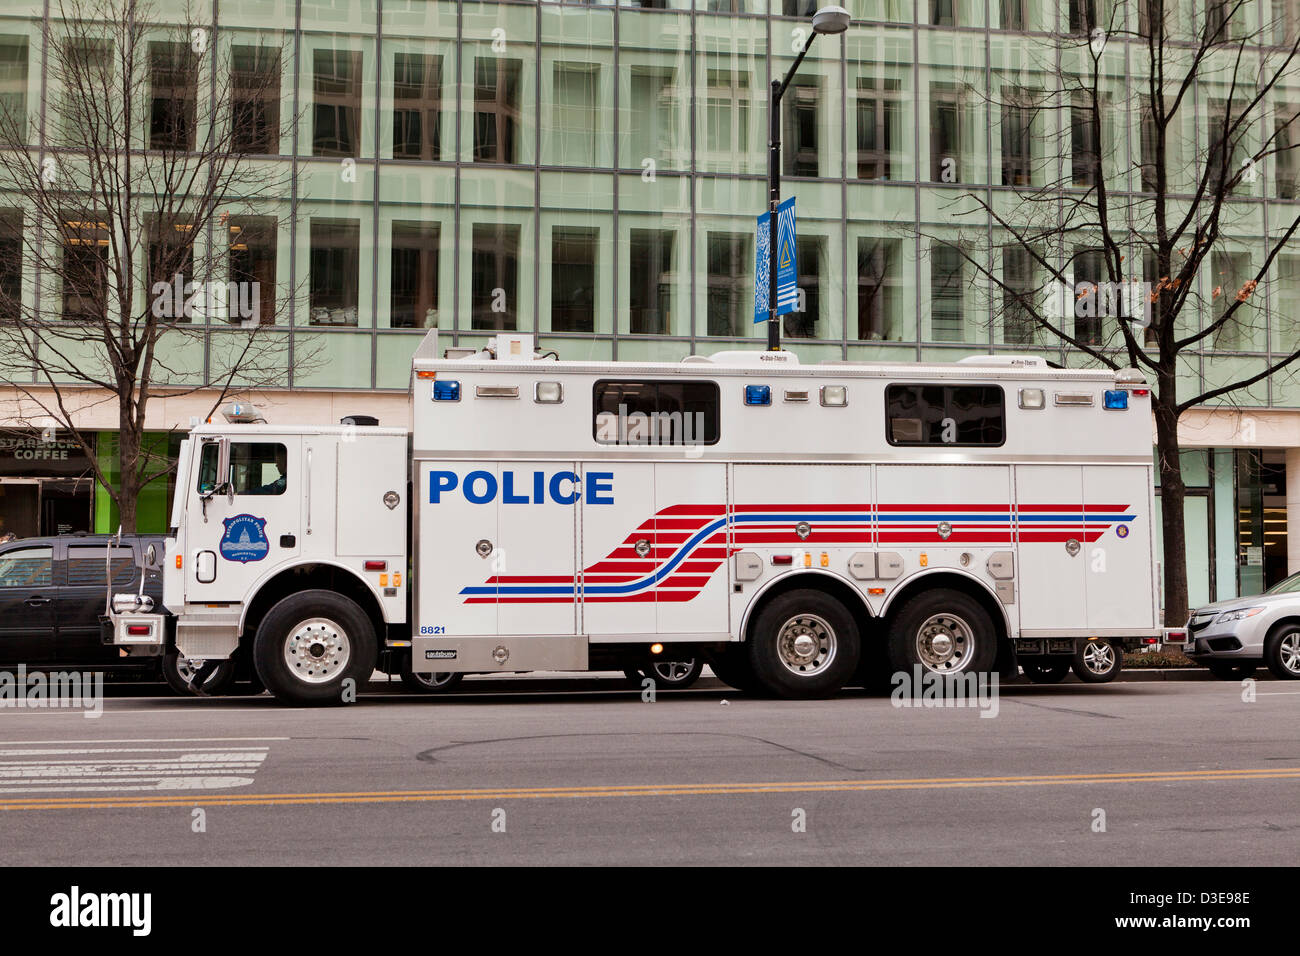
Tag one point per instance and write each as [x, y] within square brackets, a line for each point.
[787, 266]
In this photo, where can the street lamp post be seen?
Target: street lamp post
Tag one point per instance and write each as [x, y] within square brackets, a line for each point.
[829, 20]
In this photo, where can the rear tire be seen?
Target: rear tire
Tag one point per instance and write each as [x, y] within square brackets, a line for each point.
[1227, 670]
[1097, 661]
[310, 643]
[178, 672]
[427, 682]
[1046, 672]
[945, 632]
[804, 644]
[1282, 652]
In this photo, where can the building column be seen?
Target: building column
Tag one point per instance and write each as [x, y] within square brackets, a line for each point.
[1292, 510]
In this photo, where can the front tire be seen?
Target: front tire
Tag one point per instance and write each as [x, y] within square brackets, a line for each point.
[804, 644]
[1097, 661]
[1282, 652]
[944, 632]
[1046, 672]
[179, 673]
[310, 644]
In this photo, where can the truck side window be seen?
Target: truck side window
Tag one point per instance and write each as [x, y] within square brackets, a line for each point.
[655, 413]
[259, 468]
[27, 568]
[945, 415]
[208, 468]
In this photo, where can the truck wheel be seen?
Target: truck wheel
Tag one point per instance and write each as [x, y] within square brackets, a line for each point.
[731, 666]
[803, 644]
[426, 682]
[674, 675]
[310, 643]
[945, 632]
[1046, 672]
[1282, 652]
[178, 672]
[1227, 670]
[1097, 661]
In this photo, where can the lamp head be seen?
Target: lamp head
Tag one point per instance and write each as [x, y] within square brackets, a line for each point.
[830, 20]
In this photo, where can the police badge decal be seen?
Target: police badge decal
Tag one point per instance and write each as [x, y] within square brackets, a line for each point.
[244, 539]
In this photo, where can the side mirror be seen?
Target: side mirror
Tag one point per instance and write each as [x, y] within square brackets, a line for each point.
[151, 556]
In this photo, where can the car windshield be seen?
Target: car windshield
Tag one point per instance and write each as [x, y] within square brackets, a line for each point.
[1286, 585]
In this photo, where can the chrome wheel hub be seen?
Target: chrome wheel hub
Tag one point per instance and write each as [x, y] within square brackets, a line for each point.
[944, 643]
[1098, 657]
[806, 644]
[1289, 653]
[317, 651]
[673, 671]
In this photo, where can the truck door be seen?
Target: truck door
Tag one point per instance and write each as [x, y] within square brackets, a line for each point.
[238, 537]
[1050, 568]
[457, 558]
[1120, 565]
[692, 595]
[537, 529]
[620, 551]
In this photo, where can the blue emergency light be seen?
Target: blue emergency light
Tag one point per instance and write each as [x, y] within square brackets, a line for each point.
[1116, 398]
[446, 390]
[758, 395]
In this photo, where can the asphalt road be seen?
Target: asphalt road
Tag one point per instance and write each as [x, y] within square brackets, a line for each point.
[1185, 773]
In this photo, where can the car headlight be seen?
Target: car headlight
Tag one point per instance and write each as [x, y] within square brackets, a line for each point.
[1237, 615]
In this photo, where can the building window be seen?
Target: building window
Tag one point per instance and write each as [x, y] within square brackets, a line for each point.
[1285, 21]
[798, 8]
[1084, 155]
[571, 134]
[494, 276]
[650, 281]
[653, 117]
[1013, 15]
[413, 280]
[725, 6]
[84, 270]
[1017, 138]
[13, 83]
[1285, 315]
[880, 304]
[1083, 15]
[496, 109]
[1017, 296]
[943, 13]
[655, 413]
[799, 133]
[730, 289]
[336, 91]
[255, 78]
[1148, 144]
[1287, 158]
[1218, 20]
[726, 123]
[417, 101]
[946, 291]
[335, 271]
[948, 133]
[11, 269]
[945, 415]
[1094, 298]
[879, 117]
[171, 268]
[573, 278]
[1230, 271]
[810, 255]
[252, 268]
[173, 83]
[1224, 155]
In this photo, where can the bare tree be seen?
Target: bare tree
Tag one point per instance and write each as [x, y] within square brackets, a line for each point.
[1116, 233]
[139, 250]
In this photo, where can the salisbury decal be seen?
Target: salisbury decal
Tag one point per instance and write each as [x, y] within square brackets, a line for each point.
[244, 539]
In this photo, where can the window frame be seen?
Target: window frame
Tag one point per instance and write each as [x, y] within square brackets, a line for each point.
[657, 382]
[947, 387]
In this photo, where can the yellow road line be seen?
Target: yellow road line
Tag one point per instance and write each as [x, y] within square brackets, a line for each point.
[207, 798]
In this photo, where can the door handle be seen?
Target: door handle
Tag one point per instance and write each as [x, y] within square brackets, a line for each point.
[36, 601]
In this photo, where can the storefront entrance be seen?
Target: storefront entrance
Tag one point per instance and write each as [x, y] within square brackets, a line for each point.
[45, 486]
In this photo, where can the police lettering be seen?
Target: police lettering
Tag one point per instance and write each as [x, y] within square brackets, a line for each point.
[563, 487]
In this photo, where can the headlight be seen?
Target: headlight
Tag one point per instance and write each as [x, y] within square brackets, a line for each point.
[1237, 615]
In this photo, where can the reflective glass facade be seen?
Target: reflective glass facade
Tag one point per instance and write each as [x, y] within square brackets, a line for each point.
[592, 172]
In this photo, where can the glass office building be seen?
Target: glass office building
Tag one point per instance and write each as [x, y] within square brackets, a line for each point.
[591, 173]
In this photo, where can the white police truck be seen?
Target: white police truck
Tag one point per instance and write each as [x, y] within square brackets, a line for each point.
[802, 528]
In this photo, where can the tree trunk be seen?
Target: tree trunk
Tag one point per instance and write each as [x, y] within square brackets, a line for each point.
[128, 469]
[1172, 494]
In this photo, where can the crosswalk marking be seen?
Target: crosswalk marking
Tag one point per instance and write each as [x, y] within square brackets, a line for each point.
[43, 769]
